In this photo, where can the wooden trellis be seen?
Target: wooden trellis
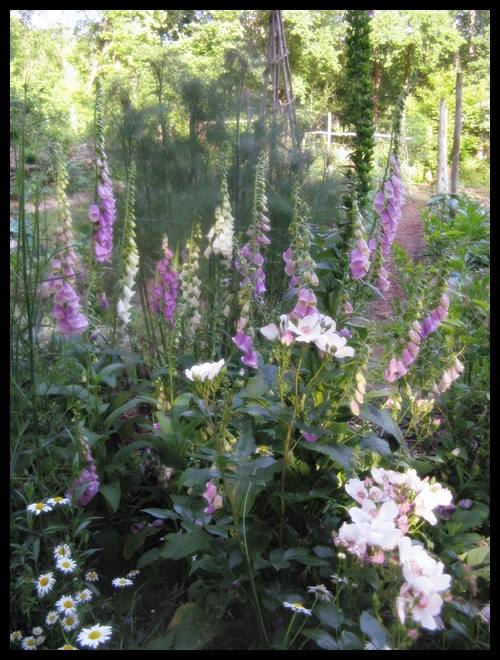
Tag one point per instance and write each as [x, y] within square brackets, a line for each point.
[278, 70]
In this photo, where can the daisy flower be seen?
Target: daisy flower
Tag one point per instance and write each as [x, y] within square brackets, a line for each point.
[67, 647]
[44, 583]
[51, 618]
[94, 635]
[16, 635]
[28, 644]
[297, 608]
[58, 500]
[134, 573]
[120, 583]
[37, 631]
[83, 596]
[91, 576]
[66, 605]
[321, 592]
[66, 565]
[69, 622]
[37, 508]
[62, 551]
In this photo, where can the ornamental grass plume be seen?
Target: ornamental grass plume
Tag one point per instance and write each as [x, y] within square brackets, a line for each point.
[250, 264]
[66, 302]
[130, 254]
[164, 292]
[299, 265]
[103, 211]
[189, 304]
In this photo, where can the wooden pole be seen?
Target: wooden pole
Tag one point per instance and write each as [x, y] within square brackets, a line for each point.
[457, 130]
[329, 132]
[442, 164]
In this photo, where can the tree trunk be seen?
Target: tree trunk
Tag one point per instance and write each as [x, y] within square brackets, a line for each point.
[442, 164]
[457, 130]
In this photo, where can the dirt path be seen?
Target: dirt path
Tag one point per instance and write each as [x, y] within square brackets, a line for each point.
[410, 235]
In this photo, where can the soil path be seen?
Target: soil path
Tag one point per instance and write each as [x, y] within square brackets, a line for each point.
[410, 235]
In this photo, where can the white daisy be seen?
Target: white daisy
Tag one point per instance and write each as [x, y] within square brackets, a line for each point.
[83, 596]
[37, 508]
[51, 618]
[66, 565]
[45, 583]
[94, 635]
[67, 647]
[321, 592]
[66, 605]
[297, 608]
[28, 644]
[134, 573]
[37, 631]
[91, 576]
[62, 551]
[69, 622]
[58, 500]
[16, 635]
[120, 583]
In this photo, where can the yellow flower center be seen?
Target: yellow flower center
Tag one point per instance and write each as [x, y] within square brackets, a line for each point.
[31, 642]
[61, 552]
[57, 499]
[95, 634]
[68, 604]
[39, 506]
[70, 621]
[44, 581]
[299, 605]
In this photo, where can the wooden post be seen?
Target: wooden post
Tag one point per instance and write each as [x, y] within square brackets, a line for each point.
[455, 153]
[442, 164]
[329, 132]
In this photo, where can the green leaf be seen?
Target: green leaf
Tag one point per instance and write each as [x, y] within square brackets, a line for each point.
[36, 548]
[478, 556]
[132, 403]
[133, 543]
[323, 639]
[163, 643]
[349, 641]
[383, 419]
[194, 477]
[339, 453]
[191, 628]
[161, 513]
[148, 557]
[329, 615]
[465, 520]
[130, 449]
[277, 560]
[181, 545]
[246, 443]
[379, 445]
[112, 493]
[373, 630]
